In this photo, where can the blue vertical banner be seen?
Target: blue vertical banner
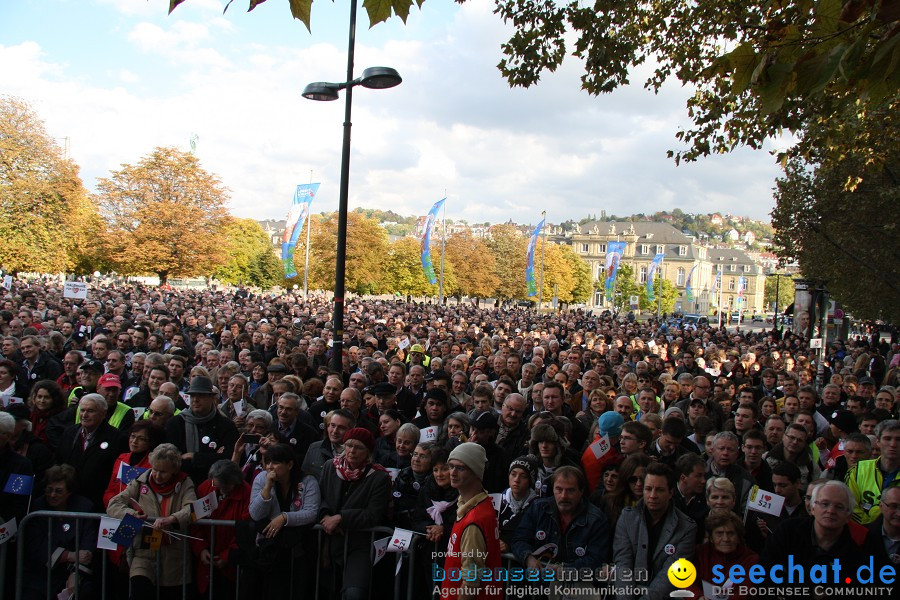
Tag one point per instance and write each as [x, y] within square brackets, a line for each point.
[297, 216]
[742, 283]
[651, 272]
[689, 285]
[430, 218]
[529, 259]
[614, 251]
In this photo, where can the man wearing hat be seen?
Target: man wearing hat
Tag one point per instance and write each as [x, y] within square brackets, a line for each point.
[262, 397]
[118, 414]
[433, 410]
[609, 424]
[523, 474]
[385, 399]
[417, 356]
[202, 433]
[842, 424]
[474, 540]
[89, 373]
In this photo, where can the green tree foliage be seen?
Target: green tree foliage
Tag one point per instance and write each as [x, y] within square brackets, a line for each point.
[367, 254]
[626, 287]
[782, 287]
[474, 264]
[378, 10]
[758, 67]
[47, 221]
[165, 215]
[665, 296]
[251, 260]
[838, 216]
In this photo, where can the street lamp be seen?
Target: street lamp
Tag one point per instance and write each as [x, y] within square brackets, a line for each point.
[375, 78]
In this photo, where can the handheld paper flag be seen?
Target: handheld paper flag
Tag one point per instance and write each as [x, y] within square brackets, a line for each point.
[601, 446]
[127, 473]
[19, 484]
[105, 532]
[127, 530]
[205, 506]
[401, 540]
[380, 549]
[7, 530]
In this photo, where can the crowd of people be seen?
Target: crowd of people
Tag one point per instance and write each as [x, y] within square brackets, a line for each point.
[568, 440]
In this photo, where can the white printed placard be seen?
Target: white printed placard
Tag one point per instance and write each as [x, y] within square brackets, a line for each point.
[7, 282]
[76, 290]
[403, 344]
[765, 502]
[429, 434]
[601, 446]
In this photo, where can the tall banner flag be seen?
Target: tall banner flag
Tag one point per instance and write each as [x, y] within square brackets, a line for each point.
[717, 281]
[430, 218]
[529, 259]
[296, 218]
[651, 272]
[689, 285]
[742, 283]
[614, 251]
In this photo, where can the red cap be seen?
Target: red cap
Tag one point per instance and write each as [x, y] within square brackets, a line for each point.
[110, 380]
[363, 435]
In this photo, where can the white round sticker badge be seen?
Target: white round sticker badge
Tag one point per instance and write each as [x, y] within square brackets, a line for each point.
[104, 445]
[205, 439]
[579, 551]
[541, 534]
[212, 445]
[670, 549]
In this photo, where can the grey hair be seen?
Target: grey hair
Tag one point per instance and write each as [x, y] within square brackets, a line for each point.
[851, 501]
[98, 400]
[7, 422]
[227, 472]
[726, 435]
[168, 453]
[889, 426]
[170, 404]
[261, 415]
[408, 429]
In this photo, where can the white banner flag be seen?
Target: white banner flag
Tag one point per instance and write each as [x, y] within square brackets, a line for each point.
[765, 502]
[107, 529]
[401, 540]
[429, 434]
[380, 549]
[601, 446]
[7, 530]
[205, 506]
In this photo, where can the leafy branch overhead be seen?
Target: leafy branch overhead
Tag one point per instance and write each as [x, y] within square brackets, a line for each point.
[378, 10]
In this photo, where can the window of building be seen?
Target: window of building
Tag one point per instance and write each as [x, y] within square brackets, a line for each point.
[643, 275]
[682, 250]
[645, 249]
[731, 284]
[680, 280]
[602, 248]
[746, 268]
[731, 268]
[660, 249]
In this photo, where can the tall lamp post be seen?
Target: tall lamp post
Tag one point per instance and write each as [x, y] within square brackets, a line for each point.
[376, 78]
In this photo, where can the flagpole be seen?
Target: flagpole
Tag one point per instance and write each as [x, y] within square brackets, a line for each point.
[443, 245]
[308, 228]
[659, 293]
[721, 279]
[543, 247]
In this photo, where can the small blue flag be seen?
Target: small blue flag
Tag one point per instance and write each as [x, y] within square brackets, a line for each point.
[127, 530]
[19, 484]
[127, 473]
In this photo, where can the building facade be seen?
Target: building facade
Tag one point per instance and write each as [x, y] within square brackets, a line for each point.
[684, 261]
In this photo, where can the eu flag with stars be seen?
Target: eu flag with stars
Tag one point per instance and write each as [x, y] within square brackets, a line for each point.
[127, 530]
[19, 484]
[127, 473]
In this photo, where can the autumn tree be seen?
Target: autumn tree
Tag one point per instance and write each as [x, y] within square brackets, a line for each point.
[583, 286]
[47, 220]
[509, 247]
[404, 274]
[474, 265]
[251, 259]
[165, 215]
[367, 253]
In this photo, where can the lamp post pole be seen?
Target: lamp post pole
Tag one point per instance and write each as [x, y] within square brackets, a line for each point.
[373, 78]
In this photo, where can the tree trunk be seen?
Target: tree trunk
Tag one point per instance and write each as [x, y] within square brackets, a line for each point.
[163, 277]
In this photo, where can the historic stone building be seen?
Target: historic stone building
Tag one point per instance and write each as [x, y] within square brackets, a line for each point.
[682, 257]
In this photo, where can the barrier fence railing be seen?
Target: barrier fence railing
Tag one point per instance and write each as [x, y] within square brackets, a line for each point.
[80, 518]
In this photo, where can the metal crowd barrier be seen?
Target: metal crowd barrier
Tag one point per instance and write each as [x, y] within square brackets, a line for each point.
[186, 561]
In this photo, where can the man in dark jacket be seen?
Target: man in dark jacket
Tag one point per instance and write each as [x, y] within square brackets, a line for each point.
[202, 433]
[578, 529]
[325, 450]
[91, 447]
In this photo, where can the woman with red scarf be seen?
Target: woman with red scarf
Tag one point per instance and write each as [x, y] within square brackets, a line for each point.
[143, 438]
[355, 496]
[164, 494]
[46, 400]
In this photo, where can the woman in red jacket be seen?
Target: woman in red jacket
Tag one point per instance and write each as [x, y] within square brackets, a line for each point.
[143, 438]
[233, 494]
[725, 547]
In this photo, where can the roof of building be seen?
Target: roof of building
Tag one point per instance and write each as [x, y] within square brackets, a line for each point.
[729, 256]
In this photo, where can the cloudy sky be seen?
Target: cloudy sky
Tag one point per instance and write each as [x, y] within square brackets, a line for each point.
[120, 77]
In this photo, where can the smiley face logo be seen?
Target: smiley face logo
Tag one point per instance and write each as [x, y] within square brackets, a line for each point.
[682, 573]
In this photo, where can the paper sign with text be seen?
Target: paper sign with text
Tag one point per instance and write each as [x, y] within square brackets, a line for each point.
[429, 434]
[75, 290]
[765, 502]
[601, 446]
